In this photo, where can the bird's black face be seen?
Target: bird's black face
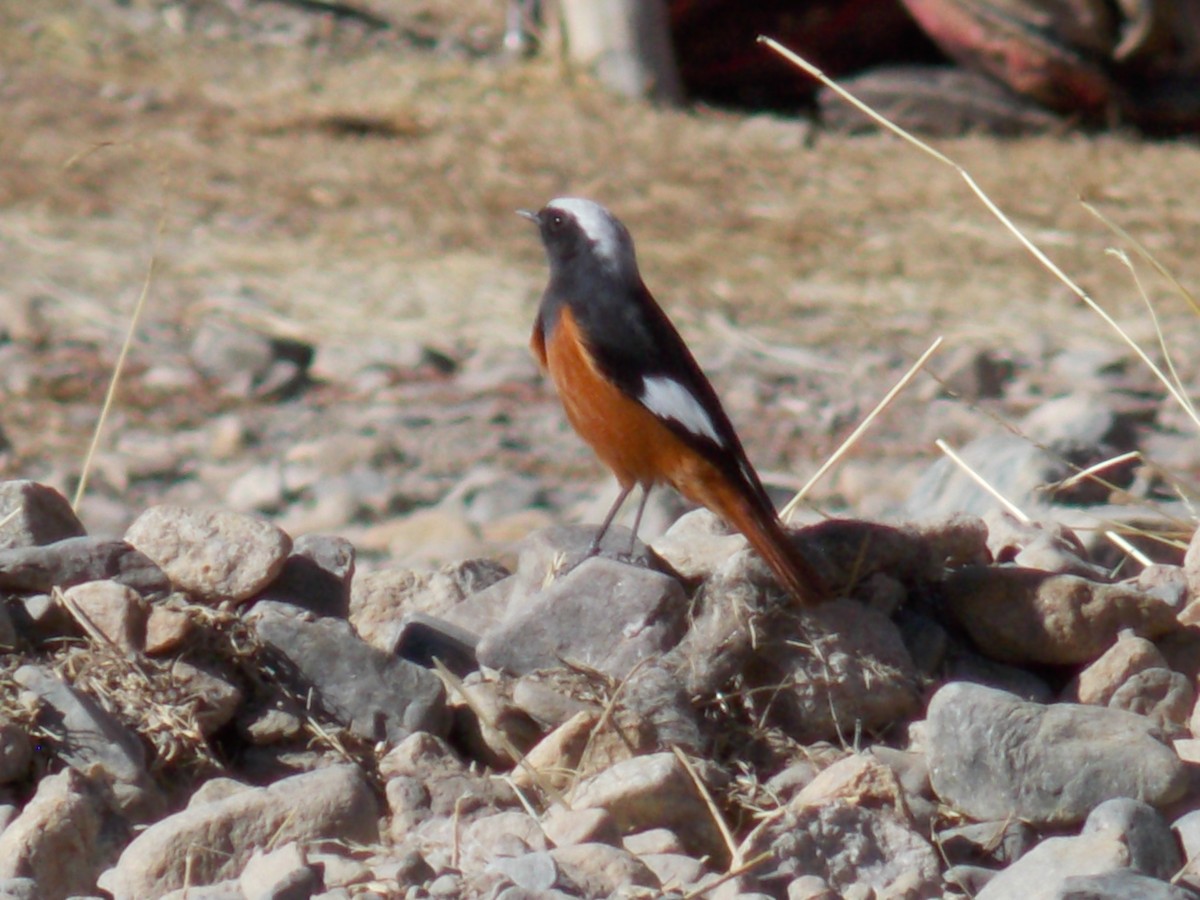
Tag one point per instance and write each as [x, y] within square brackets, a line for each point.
[586, 235]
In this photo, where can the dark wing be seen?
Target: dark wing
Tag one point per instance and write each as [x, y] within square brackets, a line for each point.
[640, 351]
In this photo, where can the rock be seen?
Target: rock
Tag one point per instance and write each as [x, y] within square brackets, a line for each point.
[531, 871]
[424, 779]
[854, 847]
[986, 843]
[540, 696]
[210, 842]
[62, 839]
[1191, 564]
[675, 871]
[489, 726]
[698, 544]
[93, 741]
[1027, 616]
[380, 599]
[244, 363]
[1098, 682]
[213, 556]
[167, 629]
[1042, 873]
[653, 791]
[574, 749]
[1164, 697]
[838, 666]
[219, 698]
[1121, 884]
[653, 840]
[564, 827]
[666, 715]
[376, 695]
[280, 874]
[316, 576]
[983, 745]
[16, 752]
[598, 870]
[603, 614]
[1149, 840]
[1049, 546]
[421, 638]
[77, 560]
[33, 514]
[116, 611]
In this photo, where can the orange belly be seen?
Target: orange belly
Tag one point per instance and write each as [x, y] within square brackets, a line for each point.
[627, 437]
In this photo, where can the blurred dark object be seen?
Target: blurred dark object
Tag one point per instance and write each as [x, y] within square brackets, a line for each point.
[721, 61]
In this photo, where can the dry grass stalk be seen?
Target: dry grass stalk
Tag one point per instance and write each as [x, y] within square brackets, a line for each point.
[995, 210]
[119, 365]
[981, 481]
[711, 806]
[905, 380]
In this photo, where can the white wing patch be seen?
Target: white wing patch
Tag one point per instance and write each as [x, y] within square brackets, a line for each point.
[668, 399]
[596, 222]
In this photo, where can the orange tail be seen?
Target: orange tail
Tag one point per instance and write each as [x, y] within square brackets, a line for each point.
[766, 535]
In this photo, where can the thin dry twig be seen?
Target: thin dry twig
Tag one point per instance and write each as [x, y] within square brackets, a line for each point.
[981, 481]
[710, 804]
[119, 366]
[789, 510]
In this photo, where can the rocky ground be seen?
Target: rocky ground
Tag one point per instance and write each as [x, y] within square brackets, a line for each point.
[331, 461]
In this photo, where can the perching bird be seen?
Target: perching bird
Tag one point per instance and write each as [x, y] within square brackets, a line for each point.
[631, 388]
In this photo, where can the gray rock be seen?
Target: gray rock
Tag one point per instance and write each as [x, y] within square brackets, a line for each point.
[316, 576]
[211, 842]
[1164, 697]
[378, 696]
[1028, 616]
[1152, 847]
[213, 556]
[853, 847]
[598, 870]
[34, 514]
[421, 638]
[603, 614]
[280, 874]
[62, 839]
[38, 569]
[995, 756]
[1123, 884]
[245, 363]
[93, 740]
[532, 871]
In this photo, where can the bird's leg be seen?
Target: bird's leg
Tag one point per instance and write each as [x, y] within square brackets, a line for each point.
[594, 547]
[637, 519]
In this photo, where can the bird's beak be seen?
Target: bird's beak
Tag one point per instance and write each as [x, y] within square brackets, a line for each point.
[531, 216]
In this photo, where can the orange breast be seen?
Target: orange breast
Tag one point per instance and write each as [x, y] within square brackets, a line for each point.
[627, 437]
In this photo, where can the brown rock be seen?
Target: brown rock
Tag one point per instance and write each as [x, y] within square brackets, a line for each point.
[116, 611]
[1098, 682]
[166, 630]
[1163, 696]
[213, 556]
[1026, 616]
[600, 870]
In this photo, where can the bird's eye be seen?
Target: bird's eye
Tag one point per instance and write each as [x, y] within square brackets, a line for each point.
[557, 221]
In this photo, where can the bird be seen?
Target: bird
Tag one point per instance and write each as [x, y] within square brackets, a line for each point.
[632, 389]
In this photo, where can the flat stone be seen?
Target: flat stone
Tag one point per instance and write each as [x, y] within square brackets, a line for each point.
[1099, 681]
[316, 576]
[376, 695]
[118, 612]
[72, 561]
[213, 556]
[603, 614]
[995, 756]
[94, 740]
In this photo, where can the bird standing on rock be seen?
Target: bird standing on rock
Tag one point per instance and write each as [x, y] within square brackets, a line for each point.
[631, 388]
